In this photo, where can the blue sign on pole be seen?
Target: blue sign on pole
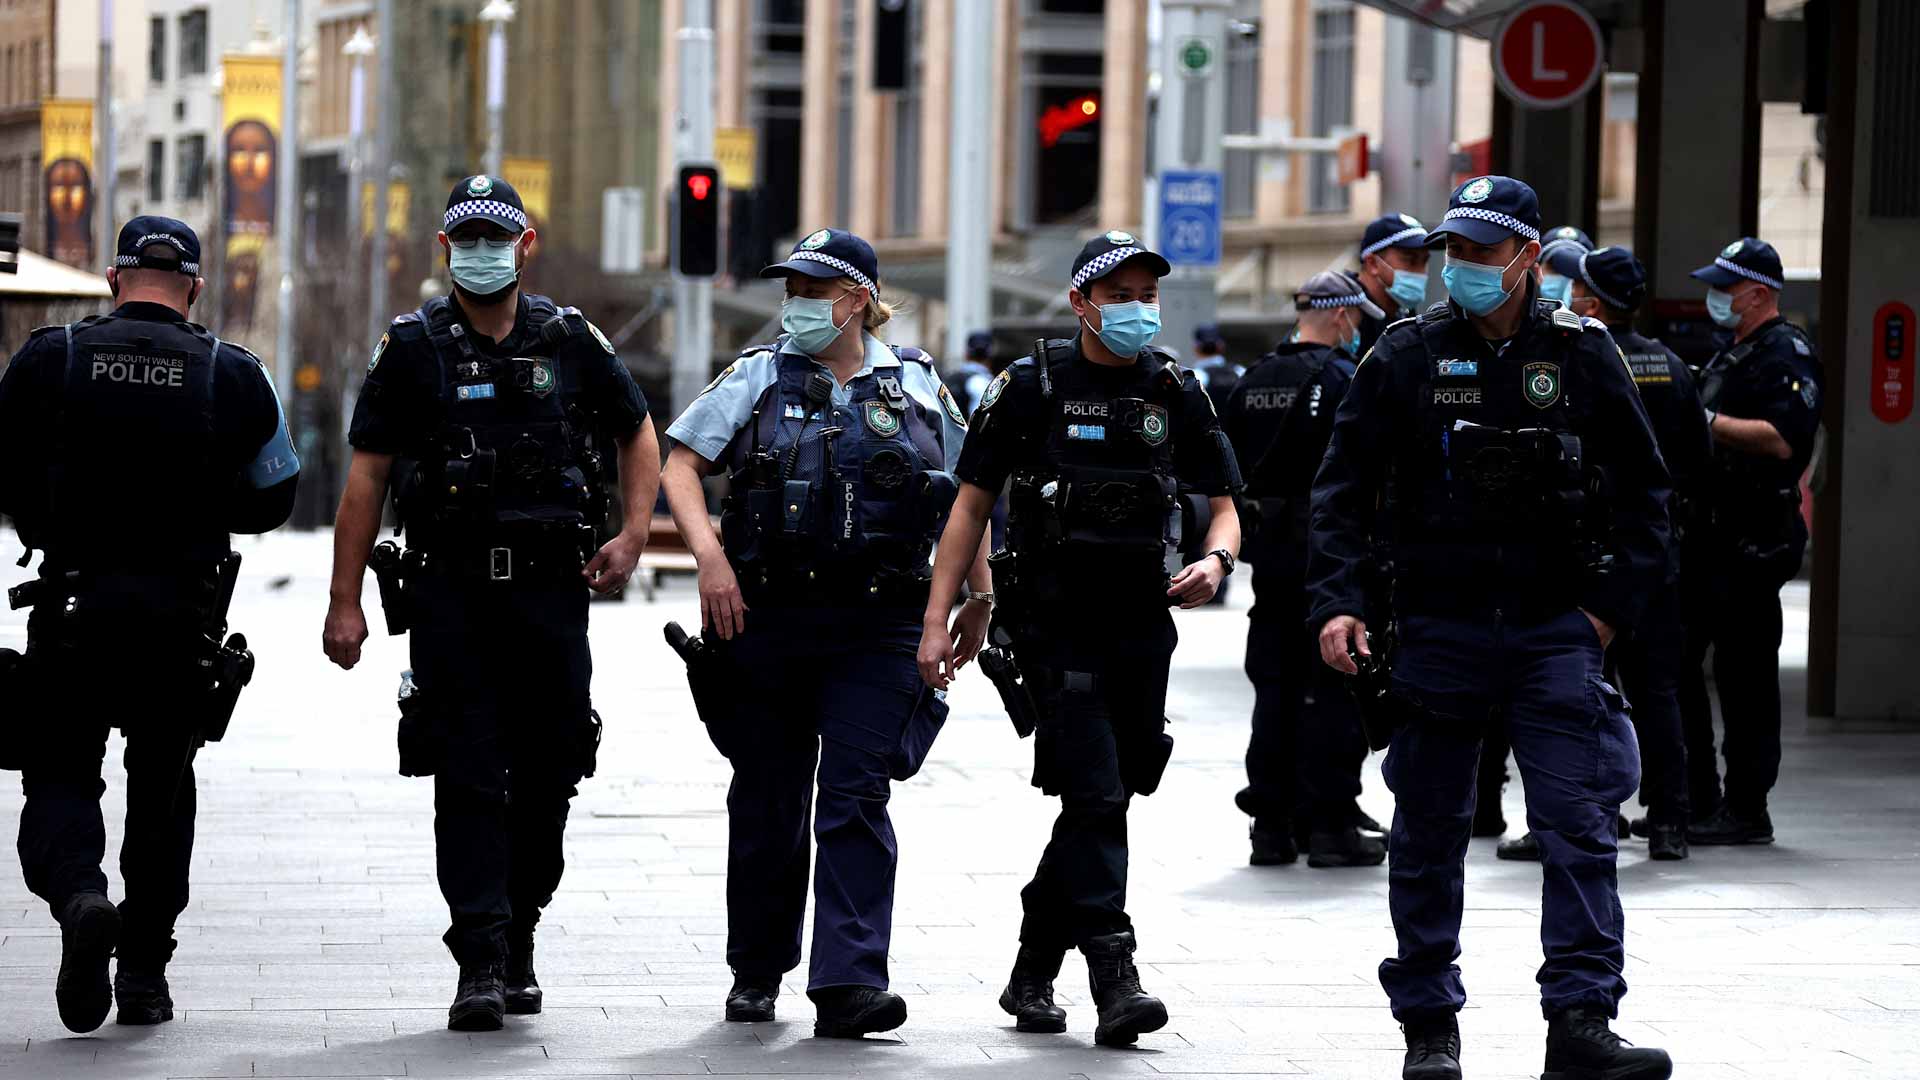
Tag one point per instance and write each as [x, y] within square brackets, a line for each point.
[1190, 218]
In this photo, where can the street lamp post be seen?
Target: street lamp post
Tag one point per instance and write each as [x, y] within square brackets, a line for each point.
[356, 50]
[497, 14]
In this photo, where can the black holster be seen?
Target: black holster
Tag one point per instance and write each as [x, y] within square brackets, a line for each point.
[390, 566]
[1003, 670]
[422, 735]
[228, 667]
[1383, 711]
[715, 689]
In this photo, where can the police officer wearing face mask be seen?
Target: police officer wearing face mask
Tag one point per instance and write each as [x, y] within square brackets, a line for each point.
[1115, 458]
[135, 416]
[1303, 763]
[489, 414]
[1491, 426]
[1393, 272]
[1609, 285]
[839, 450]
[1559, 263]
[1745, 538]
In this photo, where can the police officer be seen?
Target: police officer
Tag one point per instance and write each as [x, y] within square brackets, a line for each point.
[968, 381]
[1483, 423]
[1560, 252]
[1104, 439]
[135, 416]
[1745, 538]
[839, 450]
[1393, 272]
[486, 413]
[1303, 763]
[1609, 285]
[1217, 374]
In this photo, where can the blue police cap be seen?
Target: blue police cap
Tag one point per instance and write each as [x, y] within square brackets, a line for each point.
[1105, 253]
[175, 245]
[1207, 334]
[832, 253]
[980, 343]
[1487, 210]
[1561, 249]
[1614, 276]
[484, 198]
[1746, 259]
[1392, 230]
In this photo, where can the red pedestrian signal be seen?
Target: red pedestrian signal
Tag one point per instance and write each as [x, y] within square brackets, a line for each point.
[696, 222]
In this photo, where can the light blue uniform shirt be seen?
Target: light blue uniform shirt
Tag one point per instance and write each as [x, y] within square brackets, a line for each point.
[726, 406]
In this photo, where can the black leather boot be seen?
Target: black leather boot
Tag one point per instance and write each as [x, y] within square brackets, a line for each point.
[1344, 846]
[1273, 843]
[1668, 843]
[143, 995]
[479, 1003]
[1126, 1011]
[848, 1012]
[752, 997]
[1028, 997]
[522, 986]
[1522, 848]
[1580, 1046]
[1433, 1050]
[89, 930]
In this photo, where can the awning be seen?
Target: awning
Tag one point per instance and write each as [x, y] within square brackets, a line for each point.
[42, 278]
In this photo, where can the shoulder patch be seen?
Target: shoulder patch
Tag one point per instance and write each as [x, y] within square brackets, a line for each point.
[722, 377]
[1800, 346]
[409, 317]
[995, 388]
[379, 348]
[48, 329]
[597, 335]
[953, 407]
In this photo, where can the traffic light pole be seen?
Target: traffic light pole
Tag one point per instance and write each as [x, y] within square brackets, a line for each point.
[1188, 128]
[693, 296]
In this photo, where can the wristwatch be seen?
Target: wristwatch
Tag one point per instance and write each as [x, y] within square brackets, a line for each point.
[987, 596]
[1225, 557]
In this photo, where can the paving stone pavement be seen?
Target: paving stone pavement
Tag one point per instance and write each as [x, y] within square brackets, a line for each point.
[312, 949]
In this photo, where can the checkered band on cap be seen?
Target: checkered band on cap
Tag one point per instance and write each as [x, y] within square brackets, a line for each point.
[1323, 302]
[1595, 289]
[132, 262]
[1389, 241]
[1100, 264]
[1727, 264]
[473, 207]
[1505, 221]
[841, 265]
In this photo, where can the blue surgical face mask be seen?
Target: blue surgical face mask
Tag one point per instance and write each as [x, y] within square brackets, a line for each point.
[1127, 328]
[1556, 288]
[1409, 288]
[1353, 342]
[809, 323]
[1720, 309]
[1475, 286]
[483, 268]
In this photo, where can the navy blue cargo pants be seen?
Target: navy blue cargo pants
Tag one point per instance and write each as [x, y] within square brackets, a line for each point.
[832, 691]
[1578, 762]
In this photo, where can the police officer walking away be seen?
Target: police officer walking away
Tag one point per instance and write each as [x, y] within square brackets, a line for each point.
[1216, 373]
[1482, 423]
[1609, 285]
[1100, 435]
[1393, 272]
[75, 403]
[1745, 538]
[968, 381]
[839, 449]
[1304, 761]
[485, 412]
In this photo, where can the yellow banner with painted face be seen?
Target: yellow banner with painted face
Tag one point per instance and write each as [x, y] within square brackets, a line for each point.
[250, 95]
[66, 146]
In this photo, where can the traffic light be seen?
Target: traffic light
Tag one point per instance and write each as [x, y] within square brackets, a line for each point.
[696, 232]
[9, 243]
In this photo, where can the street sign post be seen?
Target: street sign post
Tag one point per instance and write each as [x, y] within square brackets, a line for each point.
[1547, 54]
[1190, 218]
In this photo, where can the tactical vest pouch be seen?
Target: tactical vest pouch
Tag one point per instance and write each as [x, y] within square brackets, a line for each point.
[1144, 756]
[584, 742]
[422, 735]
[796, 507]
[1110, 508]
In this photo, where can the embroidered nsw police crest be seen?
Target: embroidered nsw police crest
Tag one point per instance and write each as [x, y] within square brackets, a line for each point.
[540, 378]
[883, 421]
[1542, 382]
[722, 377]
[998, 384]
[953, 407]
[817, 239]
[1730, 250]
[1477, 191]
[377, 350]
[480, 185]
[1153, 425]
[600, 337]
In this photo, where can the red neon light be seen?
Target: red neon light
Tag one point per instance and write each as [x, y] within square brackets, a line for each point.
[1057, 120]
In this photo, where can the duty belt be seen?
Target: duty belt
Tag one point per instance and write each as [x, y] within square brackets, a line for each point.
[831, 587]
[546, 561]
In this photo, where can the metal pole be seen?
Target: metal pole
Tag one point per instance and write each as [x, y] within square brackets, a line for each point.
[1188, 129]
[377, 314]
[496, 95]
[356, 143]
[103, 119]
[288, 211]
[969, 190]
[693, 297]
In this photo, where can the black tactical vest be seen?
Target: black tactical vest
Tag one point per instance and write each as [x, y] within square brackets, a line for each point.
[844, 493]
[513, 458]
[136, 444]
[1102, 483]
